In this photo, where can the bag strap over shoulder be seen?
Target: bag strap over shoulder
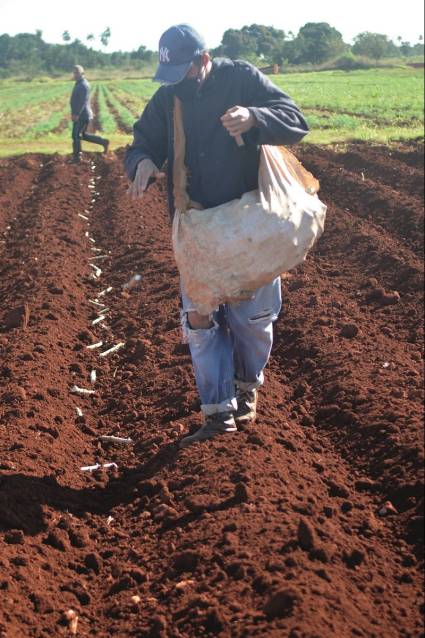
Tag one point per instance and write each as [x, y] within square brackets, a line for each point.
[182, 200]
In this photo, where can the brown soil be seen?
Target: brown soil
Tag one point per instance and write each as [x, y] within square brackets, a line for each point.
[275, 532]
[95, 122]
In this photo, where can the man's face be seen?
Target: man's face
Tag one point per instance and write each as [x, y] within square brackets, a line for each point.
[194, 71]
[199, 70]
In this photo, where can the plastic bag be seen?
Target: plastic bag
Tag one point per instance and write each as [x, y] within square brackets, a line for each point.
[225, 253]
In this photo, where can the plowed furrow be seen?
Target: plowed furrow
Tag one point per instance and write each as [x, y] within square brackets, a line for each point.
[412, 157]
[377, 164]
[17, 179]
[273, 531]
[396, 213]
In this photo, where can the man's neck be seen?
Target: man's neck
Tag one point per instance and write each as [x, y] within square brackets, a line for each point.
[207, 72]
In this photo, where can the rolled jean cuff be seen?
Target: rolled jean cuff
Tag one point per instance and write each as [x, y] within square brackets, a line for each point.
[229, 405]
[250, 385]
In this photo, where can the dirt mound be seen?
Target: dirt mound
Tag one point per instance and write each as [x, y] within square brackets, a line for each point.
[307, 525]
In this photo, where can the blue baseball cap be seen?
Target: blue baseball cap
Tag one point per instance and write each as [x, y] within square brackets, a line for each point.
[178, 47]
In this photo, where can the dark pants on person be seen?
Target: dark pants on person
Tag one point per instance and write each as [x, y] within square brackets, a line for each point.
[79, 133]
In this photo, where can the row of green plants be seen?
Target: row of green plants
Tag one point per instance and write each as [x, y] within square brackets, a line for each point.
[134, 102]
[106, 119]
[379, 105]
[127, 118]
[36, 120]
[388, 95]
[17, 95]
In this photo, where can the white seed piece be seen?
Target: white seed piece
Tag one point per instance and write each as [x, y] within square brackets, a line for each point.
[112, 350]
[98, 466]
[79, 411]
[105, 292]
[97, 270]
[83, 217]
[72, 618]
[77, 390]
[116, 439]
[90, 468]
[93, 376]
[98, 320]
[93, 346]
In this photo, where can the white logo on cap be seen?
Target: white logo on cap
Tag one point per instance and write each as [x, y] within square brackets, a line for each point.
[164, 54]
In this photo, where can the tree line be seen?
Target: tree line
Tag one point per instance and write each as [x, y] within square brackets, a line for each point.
[316, 43]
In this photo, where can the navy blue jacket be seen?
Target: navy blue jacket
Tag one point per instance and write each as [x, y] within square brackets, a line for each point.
[80, 100]
[218, 170]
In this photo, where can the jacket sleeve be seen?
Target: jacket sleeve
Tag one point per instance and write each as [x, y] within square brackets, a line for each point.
[279, 120]
[80, 97]
[150, 135]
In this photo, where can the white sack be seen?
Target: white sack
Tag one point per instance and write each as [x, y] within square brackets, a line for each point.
[225, 253]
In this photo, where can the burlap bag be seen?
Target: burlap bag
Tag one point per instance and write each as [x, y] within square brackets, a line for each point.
[225, 253]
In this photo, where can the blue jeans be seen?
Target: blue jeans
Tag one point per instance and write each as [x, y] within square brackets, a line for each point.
[79, 132]
[235, 350]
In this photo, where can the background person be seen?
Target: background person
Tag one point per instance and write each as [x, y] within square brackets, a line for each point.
[221, 100]
[82, 114]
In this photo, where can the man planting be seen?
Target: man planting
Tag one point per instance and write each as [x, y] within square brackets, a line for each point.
[222, 100]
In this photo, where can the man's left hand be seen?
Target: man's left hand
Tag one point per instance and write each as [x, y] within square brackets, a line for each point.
[238, 120]
[75, 118]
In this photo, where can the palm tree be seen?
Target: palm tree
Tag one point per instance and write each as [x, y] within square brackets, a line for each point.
[104, 37]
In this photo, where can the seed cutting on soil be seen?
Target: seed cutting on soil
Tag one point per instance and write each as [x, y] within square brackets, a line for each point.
[310, 523]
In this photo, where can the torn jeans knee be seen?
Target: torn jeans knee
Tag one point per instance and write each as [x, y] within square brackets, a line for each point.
[197, 336]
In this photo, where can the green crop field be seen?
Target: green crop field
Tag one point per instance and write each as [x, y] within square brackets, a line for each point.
[379, 105]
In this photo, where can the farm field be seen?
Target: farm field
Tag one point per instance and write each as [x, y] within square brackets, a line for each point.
[308, 524]
[379, 105]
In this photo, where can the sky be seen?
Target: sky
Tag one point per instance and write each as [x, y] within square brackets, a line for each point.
[133, 23]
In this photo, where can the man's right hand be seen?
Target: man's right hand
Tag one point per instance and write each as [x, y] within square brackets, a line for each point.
[145, 170]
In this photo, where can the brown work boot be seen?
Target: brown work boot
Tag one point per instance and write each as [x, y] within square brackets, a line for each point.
[247, 406]
[218, 423]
